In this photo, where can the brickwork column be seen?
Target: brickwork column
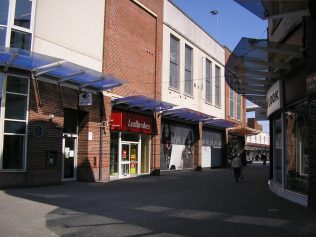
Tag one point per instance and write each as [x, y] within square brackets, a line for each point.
[155, 148]
[198, 148]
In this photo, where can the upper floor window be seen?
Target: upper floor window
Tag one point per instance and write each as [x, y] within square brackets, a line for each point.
[217, 86]
[231, 103]
[188, 71]
[16, 27]
[174, 62]
[238, 106]
[208, 81]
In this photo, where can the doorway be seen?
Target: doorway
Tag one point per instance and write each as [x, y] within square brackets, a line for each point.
[69, 162]
[129, 160]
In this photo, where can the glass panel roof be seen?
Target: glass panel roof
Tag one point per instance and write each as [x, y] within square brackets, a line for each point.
[61, 70]
[255, 64]
[220, 123]
[142, 103]
[266, 9]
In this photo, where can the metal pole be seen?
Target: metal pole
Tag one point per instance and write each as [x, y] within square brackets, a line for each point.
[101, 104]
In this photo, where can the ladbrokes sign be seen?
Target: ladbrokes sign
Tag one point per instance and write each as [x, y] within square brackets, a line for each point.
[129, 122]
[274, 98]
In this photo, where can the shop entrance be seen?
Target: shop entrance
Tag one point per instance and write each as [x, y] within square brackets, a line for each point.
[129, 160]
[69, 165]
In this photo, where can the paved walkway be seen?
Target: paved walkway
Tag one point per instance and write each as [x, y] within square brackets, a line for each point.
[207, 203]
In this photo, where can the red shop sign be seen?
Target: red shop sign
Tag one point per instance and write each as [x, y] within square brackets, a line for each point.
[129, 122]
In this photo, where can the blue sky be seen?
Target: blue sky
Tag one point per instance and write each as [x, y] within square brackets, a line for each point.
[234, 22]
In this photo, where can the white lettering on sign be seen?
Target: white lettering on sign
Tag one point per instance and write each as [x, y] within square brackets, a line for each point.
[274, 98]
[136, 124]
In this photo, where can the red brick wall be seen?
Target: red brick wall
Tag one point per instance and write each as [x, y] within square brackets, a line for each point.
[133, 46]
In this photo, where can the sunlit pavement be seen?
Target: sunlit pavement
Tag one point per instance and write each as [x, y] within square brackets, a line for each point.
[187, 203]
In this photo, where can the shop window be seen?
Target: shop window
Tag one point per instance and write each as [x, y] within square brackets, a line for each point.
[296, 169]
[208, 81]
[114, 153]
[131, 137]
[278, 150]
[15, 102]
[145, 154]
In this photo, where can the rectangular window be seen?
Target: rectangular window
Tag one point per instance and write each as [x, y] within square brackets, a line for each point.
[208, 81]
[4, 9]
[238, 106]
[174, 62]
[15, 101]
[217, 86]
[231, 103]
[20, 39]
[188, 71]
[23, 13]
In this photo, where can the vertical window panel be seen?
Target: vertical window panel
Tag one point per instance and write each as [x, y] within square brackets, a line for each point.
[208, 81]
[23, 13]
[238, 106]
[20, 39]
[231, 103]
[188, 70]
[217, 86]
[174, 62]
[4, 9]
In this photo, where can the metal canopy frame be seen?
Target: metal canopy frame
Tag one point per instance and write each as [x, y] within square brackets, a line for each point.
[61, 70]
[255, 64]
[142, 103]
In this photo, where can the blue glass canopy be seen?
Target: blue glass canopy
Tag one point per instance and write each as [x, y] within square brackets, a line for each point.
[142, 103]
[61, 70]
[266, 9]
[220, 123]
[187, 114]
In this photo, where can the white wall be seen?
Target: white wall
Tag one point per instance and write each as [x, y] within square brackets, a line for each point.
[180, 26]
[71, 30]
[261, 138]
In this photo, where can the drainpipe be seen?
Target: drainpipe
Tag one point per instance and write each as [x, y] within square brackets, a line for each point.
[101, 107]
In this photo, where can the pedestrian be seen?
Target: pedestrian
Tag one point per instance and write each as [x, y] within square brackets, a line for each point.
[264, 159]
[236, 166]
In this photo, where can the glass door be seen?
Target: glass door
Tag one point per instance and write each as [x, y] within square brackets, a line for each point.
[69, 170]
[129, 160]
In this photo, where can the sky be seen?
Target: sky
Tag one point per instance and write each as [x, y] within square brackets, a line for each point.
[230, 24]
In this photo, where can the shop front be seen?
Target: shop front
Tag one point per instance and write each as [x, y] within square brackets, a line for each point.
[130, 144]
[212, 148]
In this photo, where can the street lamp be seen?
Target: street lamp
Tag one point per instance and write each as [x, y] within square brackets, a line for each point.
[215, 13]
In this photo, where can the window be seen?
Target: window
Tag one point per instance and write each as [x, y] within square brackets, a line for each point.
[16, 27]
[174, 62]
[208, 81]
[238, 106]
[231, 103]
[15, 103]
[217, 86]
[188, 71]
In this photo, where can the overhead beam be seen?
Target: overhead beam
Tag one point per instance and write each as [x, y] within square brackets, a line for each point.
[70, 76]
[46, 68]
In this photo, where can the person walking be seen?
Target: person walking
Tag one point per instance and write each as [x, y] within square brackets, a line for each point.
[236, 166]
[264, 159]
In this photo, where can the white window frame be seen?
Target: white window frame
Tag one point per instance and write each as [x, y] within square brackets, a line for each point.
[3, 119]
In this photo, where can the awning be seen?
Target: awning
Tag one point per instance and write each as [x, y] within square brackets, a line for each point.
[244, 131]
[255, 64]
[220, 123]
[187, 115]
[61, 70]
[269, 9]
[141, 103]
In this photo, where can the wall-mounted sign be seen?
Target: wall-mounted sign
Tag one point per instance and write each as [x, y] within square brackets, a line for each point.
[123, 121]
[274, 98]
[261, 114]
[85, 98]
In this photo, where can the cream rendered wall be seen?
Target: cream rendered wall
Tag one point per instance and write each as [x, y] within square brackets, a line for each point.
[180, 26]
[71, 30]
[261, 138]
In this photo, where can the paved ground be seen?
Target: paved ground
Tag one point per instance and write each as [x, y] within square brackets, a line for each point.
[207, 203]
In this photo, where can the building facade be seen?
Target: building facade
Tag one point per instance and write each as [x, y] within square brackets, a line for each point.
[287, 92]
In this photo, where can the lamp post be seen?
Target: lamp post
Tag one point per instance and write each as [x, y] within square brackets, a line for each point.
[215, 13]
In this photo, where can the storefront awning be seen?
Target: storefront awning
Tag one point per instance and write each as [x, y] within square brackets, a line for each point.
[142, 103]
[255, 64]
[220, 123]
[61, 70]
[187, 115]
[269, 9]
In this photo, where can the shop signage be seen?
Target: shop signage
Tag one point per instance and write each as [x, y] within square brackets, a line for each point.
[274, 98]
[85, 98]
[129, 122]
